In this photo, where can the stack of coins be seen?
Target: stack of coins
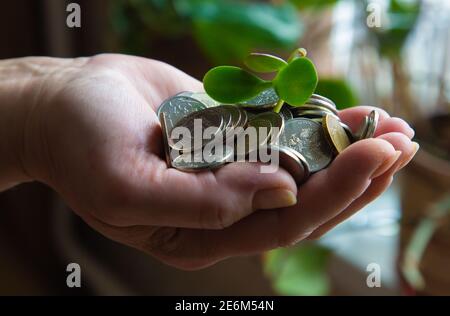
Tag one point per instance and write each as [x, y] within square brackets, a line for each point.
[305, 139]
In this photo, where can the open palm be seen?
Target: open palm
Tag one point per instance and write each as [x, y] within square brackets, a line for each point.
[101, 149]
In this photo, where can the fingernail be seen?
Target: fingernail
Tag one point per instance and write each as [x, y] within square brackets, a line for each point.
[275, 198]
[387, 164]
[416, 148]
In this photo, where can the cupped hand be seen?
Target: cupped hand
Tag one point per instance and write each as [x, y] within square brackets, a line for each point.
[95, 138]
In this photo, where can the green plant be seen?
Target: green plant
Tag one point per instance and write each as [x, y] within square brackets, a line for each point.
[338, 90]
[294, 83]
[225, 30]
[299, 270]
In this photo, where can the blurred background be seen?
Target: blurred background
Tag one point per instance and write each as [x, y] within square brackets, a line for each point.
[391, 53]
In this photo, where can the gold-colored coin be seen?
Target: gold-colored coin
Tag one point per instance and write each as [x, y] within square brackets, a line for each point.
[335, 133]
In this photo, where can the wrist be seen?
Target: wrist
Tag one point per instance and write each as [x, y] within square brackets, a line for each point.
[26, 85]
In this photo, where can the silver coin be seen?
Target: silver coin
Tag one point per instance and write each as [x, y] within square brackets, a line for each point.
[266, 99]
[252, 112]
[215, 118]
[244, 117]
[349, 132]
[286, 158]
[237, 118]
[372, 124]
[235, 115]
[323, 102]
[165, 134]
[227, 115]
[262, 125]
[312, 107]
[317, 113]
[277, 123]
[293, 162]
[239, 128]
[178, 107]
[205, 99]
[307, 138]
[325, 99]
[362, 129]
[286, 113]
[202, 159]
[184, 94]
[248, 142]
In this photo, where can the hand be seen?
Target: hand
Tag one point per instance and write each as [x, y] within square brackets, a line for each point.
[95, 138]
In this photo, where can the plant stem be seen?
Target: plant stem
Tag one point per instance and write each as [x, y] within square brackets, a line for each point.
[299, 52]
[420, 240]
[278, 107]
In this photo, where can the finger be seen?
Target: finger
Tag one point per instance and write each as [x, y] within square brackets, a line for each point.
[395, 124]
[212, 200]
[354, 116]
[324, 196]
[406, 150]
[403, 144]
[330, 191]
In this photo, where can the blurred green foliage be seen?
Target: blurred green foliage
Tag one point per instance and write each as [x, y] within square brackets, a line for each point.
[401, 18]
[230, 30]
[226, 30]
[313, 4]
[339, 91]
[300, 270]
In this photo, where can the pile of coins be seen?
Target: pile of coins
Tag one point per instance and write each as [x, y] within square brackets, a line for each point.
[305, 138]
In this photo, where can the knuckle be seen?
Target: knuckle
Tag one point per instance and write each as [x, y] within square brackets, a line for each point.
[218, 214]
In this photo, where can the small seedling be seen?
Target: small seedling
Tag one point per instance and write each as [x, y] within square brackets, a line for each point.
[295, 80]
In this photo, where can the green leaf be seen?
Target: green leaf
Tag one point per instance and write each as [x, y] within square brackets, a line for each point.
[228, 31]
[299, 271]
[296, 82]
[228, 84]
[313, 4]
[264, 62]
[339, 91]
